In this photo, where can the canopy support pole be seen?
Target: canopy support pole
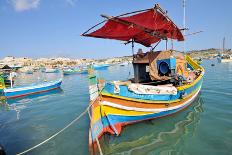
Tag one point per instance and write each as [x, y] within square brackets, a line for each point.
[166, 44]
[132, 46]
[11, 81]
[172, 43]
[184, 22]
[155, 45]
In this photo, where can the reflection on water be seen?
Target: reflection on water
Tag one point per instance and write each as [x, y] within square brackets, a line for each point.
[155, 137]
[20, 103]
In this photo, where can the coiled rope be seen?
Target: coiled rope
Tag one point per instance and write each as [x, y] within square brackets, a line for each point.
[54, 135]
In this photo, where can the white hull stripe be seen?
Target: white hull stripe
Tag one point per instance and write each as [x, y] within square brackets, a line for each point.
[111, 104]
[8, 90]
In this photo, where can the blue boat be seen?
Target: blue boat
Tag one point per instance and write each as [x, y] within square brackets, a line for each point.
[99, 67]
[51, 70]
[74, 71]
[21, 91]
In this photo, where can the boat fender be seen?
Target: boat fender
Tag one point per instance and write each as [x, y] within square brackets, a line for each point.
[2, 151]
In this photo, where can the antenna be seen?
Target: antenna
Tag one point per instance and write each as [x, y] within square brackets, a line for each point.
[184, 21]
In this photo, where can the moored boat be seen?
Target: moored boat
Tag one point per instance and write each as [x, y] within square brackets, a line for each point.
[100, 67]
[164, 82]
[20, 91]
[51, 70]
[225, 58]
[74, 71]
[222, 57]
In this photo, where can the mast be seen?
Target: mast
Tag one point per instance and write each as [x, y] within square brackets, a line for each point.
[223, 45]
[11, 81]
[184, 21]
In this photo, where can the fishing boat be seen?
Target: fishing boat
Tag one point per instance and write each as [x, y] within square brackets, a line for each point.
[100, 67]
[224, 57]
[26, 70]
[51, 70]
[21, 91]
[74, 71]
[164, 82]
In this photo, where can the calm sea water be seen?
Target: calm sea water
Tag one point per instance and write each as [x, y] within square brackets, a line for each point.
[203, 128]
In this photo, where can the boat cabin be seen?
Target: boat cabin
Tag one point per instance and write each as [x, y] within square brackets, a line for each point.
[159, 67]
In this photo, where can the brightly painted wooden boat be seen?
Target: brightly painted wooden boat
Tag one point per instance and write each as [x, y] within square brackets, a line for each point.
[110, 112]
[74, 71]
[164, 82]
[21, 91]
[51, 70]
[100, 67]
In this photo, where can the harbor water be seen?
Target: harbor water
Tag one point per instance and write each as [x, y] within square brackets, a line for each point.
[205, 127]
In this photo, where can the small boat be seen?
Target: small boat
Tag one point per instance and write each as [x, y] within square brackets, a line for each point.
[74, 71]
[29, 72]
[26, 70]
[124, 64]
[21, 91]
[70, 71]
[164, 82]
[224, 57]
[7, 75]
[100, 67]
[51, 70]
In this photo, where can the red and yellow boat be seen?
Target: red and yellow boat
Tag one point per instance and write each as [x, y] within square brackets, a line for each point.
[164, 82]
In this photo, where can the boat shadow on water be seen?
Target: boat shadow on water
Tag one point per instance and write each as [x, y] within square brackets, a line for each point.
[18, 104]
[163, 135]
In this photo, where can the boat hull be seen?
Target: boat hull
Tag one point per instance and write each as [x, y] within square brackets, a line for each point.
[220, 60]
[27, 90]
[110, 112]
[75, 72]
[100, 67]
[110, 117]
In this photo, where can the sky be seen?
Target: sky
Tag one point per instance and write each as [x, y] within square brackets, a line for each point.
[52, 28]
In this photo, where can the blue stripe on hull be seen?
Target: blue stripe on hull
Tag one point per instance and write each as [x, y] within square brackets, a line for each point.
[116, 119]
[124, 92]
[31, 91]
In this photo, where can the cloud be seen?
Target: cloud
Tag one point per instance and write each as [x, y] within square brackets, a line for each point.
[71, 2]
[23, 5]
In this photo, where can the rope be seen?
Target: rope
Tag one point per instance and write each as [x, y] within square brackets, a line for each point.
[54, 135]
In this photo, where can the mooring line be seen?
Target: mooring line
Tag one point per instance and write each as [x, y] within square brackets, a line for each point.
[54, 135]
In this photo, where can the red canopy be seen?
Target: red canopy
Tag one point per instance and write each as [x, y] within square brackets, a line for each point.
[145, 28]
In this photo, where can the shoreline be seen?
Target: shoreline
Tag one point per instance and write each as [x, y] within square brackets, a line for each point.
[61, 62]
